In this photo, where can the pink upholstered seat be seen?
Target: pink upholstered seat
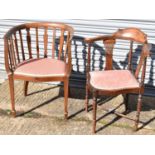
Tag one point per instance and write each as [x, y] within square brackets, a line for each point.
[113, 80]
[45, 67]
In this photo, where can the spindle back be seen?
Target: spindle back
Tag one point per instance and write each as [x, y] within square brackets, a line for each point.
[35, 41]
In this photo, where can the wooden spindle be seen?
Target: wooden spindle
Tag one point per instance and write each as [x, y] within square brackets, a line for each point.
[88, 62]
[10, 55]
[45, 42]
[6, 55]
[29, 42]
[37, 43]
[146, 52]
[69, 56]
[66, 48]
[143, 72]
[16, 46]
[13, 52]
[53, 43]
[142, 61]
[61, 44]
[87, 76]
[21, 44]
[130, 56]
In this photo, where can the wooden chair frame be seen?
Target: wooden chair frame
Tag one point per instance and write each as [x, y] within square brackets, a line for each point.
[13, 58]
[133, 35]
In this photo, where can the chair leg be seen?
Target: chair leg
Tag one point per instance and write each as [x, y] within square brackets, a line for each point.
[86, 98]
[66, 98]
[26, 83]
[139, 105]
[94, 112]
[12, 95]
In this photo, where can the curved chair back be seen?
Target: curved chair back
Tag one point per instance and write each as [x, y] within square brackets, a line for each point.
[35, 41]
[132, 35]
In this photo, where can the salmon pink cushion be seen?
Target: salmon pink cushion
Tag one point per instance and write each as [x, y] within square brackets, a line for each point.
[113, 80]
[45, 67]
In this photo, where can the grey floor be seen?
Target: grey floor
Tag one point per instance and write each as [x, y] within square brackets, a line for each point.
[41, 113]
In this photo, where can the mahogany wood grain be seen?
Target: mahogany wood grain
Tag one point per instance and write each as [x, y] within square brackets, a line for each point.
[53, 43]
[29, 43]
[21, 43]
[13, 48]
[16, 46]
[132, 35]
[37, 43]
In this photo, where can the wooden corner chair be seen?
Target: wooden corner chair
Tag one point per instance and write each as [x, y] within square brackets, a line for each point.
[114, 82]
[38, 52]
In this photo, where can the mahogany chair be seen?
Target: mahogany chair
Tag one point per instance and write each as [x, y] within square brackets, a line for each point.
[117, 81]
[38, 52]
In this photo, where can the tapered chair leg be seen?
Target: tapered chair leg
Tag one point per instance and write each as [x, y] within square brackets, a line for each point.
[86, 99]
[139, 104]
[94, 112]
[66, 82]
[12, 95]
[26, 83]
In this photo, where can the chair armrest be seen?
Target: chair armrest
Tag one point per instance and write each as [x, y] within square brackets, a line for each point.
[98, 38]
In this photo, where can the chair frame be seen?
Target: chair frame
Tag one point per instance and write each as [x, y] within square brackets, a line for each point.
[133, 35]
[11, 53]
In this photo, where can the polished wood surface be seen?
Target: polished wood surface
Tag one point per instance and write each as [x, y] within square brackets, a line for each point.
[132, 35]
[16, 52]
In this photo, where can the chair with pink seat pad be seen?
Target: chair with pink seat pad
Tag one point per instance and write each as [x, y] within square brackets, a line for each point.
[38, 52]
[113, 81]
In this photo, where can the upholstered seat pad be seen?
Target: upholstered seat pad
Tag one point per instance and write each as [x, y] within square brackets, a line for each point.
[113, 80]
[45, 67]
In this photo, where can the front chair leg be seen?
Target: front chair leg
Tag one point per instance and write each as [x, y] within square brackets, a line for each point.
[26, 83]
[66, 82]
[94, 111]
[139, 105]
[12, 95]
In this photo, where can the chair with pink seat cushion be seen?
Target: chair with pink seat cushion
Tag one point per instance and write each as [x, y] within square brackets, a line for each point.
[111, 80]
[44, 67]
[114, 82]
[45, 57]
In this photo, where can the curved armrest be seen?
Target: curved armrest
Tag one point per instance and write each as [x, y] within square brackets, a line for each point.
[98, 38]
